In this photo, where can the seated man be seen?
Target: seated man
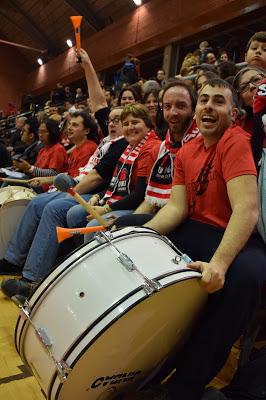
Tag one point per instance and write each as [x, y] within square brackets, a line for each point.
[211, 216]
[179, 101]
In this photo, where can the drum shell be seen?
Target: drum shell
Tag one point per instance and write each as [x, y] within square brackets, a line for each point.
[89, 293]
[13, 201]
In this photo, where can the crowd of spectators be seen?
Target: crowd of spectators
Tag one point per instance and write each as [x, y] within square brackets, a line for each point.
[128, 127]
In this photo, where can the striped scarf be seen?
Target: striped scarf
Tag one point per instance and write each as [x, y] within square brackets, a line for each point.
[99, 153]
[160, 181]
[120, 183]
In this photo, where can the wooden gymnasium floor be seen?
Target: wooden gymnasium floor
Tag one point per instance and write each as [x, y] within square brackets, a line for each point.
[16, 383]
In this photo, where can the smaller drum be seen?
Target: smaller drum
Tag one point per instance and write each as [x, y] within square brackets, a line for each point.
[13, 201]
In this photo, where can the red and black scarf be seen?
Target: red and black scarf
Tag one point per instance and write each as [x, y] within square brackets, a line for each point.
[120, 183]
[160, 181]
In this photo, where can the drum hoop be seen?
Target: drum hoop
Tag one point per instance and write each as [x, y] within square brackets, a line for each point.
[104, 329]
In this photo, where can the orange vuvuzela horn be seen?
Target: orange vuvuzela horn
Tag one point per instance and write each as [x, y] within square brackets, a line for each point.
[65, 233]
[76, 22]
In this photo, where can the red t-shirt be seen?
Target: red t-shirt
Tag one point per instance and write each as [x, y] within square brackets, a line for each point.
[205, 173]
[79, 157]
[142, 166]
[54, 157]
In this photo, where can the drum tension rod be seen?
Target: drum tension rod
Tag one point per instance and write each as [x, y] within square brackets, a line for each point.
[150, 285]
[61, 366]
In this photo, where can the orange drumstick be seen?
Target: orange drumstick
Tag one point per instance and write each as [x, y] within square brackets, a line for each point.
[76, 22]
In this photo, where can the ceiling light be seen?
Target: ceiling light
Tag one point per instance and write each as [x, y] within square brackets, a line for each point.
[138, 2]
[69, 43]
[40, 61]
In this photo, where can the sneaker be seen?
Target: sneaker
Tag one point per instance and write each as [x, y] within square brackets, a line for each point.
[7, 268]
[14, 287]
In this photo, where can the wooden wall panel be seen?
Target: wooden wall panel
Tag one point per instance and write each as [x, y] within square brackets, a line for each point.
[149, 27]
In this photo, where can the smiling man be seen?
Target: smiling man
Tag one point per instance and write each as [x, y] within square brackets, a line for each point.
[210, 216]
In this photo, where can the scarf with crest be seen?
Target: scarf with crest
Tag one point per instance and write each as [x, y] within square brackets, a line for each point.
[120, 183]
[160, 181]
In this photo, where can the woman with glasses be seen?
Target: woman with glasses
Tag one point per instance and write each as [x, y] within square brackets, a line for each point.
[246, 83]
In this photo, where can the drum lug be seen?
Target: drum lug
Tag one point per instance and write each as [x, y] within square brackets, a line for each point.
[61, 366]
[150, 286]
[126, 262]
[182, 257]
[63, 370]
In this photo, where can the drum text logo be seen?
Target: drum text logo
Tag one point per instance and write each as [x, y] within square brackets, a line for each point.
[114, 379]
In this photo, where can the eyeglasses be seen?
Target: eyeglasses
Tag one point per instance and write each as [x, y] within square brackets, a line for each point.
[115, 120]
[253, 82]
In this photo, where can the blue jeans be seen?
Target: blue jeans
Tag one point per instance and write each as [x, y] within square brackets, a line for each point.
[34, 243]
[76, 217]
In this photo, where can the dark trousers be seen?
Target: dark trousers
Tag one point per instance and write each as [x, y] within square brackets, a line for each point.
[227, 311]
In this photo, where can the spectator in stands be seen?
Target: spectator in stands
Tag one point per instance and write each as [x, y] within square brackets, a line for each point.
[223, 56]
[79, 95]
[160, 77]
[109, 95]
[204, 48]
[256, 50]
[211, 58]
[10, 110]
[82, 133]
[69, 96]
[128, 74]
[188, 64]
[203, 78]
[15, 138]
[58, 96]
[226, 69]
[27, 103]
[246, 83]
[30, 139]
[52, 158]
[128, 96]
[150, 85]
[151, 101]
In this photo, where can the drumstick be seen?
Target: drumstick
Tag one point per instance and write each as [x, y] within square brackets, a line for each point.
[65, 233]
[76, 22]
[65, 183]
[14, 180]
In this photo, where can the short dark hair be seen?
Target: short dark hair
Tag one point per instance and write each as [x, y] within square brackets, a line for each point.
[33, 126]
[154, 92]
[53, 130]
[138, 111]
[130, 89]
[178, 83]
[226, 68]
[223, 84]
[259, 36]
[112, 92]
[88, 123]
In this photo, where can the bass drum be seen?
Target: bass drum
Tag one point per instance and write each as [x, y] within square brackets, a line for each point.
[109, 315]
[13, 201]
